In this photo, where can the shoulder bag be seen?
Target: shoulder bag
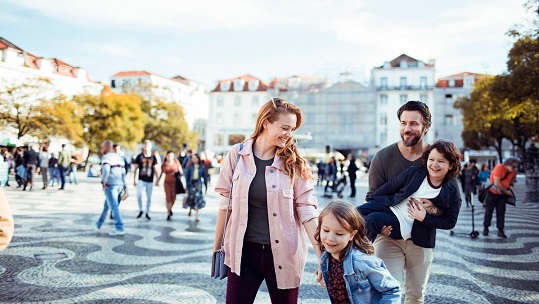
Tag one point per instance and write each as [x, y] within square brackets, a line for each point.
[483, 191]
[218, 268]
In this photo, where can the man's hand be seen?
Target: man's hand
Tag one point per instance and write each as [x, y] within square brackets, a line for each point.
[416, 210]
[104, 185]
[386, 230]
[135, 183]
[429, 207]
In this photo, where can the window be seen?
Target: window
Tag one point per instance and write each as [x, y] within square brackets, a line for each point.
[404, 98]
[449, 98]
[403, 83]
[225, 86]
[219, 140]
[383, 119]
[219, 119]
[468, 81]
[383, 83]
[237, 118]
[220, 101]
[383, 99]
[254, 101]
[449, 120]
[113, 83]
[383, 138]
[237, 101]
[238, 85]
[423, 82]
[253, 85]
[404, 64]
[235, 138]
[423, 98]
[451, 83]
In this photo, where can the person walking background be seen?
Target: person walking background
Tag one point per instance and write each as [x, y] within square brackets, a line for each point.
[31, 163]
[272, 206]
[502, 179]
[471, 181]
[483, 174]
[331, 173]
[195, 176]
[113, 181]
[72, 171]
[146, 167]
[44, 166]
[64, 158]
[352, 174]
[54, 174]
[169, 167]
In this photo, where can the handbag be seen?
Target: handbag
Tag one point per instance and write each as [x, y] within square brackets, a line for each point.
[179, 185]
[482, 194]
[218, 268]
[511, 199]
[124, 194]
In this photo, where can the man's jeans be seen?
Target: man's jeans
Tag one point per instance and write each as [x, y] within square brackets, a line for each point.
[62, 175]
[111, 201]
[141, 185]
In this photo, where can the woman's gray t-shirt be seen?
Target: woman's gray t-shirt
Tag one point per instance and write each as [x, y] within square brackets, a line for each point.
[257, 222]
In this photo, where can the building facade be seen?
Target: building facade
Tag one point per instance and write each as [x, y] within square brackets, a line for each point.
[193, 97]
[234, 106]
[396, 82]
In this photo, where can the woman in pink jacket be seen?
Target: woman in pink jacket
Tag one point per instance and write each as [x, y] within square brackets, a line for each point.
[272, 208]
[6, 222]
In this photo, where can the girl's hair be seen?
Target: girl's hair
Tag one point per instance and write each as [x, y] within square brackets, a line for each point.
[190, 162]
[270, 112]
[449, 151]
[350, 218]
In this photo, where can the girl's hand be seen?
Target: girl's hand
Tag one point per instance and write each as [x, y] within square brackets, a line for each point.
[416, 210]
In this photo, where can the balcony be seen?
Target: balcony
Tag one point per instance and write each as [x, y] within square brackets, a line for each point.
[404, 88]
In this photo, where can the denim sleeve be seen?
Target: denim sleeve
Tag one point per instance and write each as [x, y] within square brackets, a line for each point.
[381, 280]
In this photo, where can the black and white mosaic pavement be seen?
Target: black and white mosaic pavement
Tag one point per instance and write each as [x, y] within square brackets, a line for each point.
[56, 256]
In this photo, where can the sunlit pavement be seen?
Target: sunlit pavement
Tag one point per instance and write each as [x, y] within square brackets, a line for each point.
[57, 257]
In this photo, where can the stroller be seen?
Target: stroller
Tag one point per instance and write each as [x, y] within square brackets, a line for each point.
[474, 233]
[337, 187]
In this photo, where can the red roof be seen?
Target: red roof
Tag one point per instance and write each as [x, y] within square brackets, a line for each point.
[262, 85]
[443, 82]
[132, 73]
[412, 62]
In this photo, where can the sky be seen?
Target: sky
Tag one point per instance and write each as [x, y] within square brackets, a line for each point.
[207, 41]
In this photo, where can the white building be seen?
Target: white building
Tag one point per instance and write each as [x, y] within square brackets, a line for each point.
[234, 105]
[192, 96]
[18, 65]
[398, 81]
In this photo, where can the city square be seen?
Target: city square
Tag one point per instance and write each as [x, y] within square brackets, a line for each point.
[57, 257]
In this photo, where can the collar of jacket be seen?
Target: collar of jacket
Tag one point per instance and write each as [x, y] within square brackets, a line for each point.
[248, 151]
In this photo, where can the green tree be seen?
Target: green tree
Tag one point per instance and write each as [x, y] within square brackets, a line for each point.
[165, 125]
[117, 117]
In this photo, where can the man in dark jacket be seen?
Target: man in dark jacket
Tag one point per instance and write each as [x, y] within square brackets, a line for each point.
[31, 161]
[352, 170]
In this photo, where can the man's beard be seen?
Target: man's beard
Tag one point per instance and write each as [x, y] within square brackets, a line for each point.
[413, 141]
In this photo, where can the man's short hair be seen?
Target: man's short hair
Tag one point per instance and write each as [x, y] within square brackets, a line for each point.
[510, 161]
[419, 106]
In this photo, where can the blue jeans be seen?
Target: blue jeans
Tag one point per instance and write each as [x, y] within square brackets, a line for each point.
[72, 172]
[149, 188]
[62, 175]
[111, 201]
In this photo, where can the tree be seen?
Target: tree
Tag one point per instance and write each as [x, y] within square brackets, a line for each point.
[117, 117]
[165, 124]
[18, 102]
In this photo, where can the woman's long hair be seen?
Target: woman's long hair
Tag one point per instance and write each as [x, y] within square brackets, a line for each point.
[270, 112]
[350, 218]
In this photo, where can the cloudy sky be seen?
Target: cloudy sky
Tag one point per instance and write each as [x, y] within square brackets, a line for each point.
[211, 40]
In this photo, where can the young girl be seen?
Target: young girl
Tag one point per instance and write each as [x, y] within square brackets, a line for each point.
[419, 200]
[351, 273]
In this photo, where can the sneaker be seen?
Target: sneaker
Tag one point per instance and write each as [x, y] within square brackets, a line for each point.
[148, 216]
[485, 231]
[117, 232]
[140, 214]
[96, 227]
[501, 234]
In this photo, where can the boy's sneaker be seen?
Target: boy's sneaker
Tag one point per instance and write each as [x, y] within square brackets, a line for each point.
[95, 226]
[117, 232]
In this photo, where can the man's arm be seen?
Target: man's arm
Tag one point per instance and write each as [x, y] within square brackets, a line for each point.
[376, 175]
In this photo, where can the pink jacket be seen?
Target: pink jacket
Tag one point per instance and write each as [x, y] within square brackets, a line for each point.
[288, 207]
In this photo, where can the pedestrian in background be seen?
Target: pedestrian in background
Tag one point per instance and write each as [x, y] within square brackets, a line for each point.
[352, 274]
[483, 174]
[146, 167]
[44, 166]
[169, 167]
[20, 170]
[321, 166]
[502, 178]
[118, 149]
[352, 174]
[331, 173]
[53, 170]
[64, 159]
[31, 163]
[72, 171]
[471, 181]
[195, 177]
[113, 181]
[272, 210]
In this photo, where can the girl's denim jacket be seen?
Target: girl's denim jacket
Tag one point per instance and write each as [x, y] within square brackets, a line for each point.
[367, 278]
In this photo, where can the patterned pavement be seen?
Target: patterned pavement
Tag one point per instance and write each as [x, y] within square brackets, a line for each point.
[56, 256]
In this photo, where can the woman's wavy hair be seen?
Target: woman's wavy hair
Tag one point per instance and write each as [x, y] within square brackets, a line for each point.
[350, 218]
[449, 151]
[270, 112]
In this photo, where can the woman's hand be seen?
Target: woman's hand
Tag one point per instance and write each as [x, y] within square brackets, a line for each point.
[319, 277]
[416, 210]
